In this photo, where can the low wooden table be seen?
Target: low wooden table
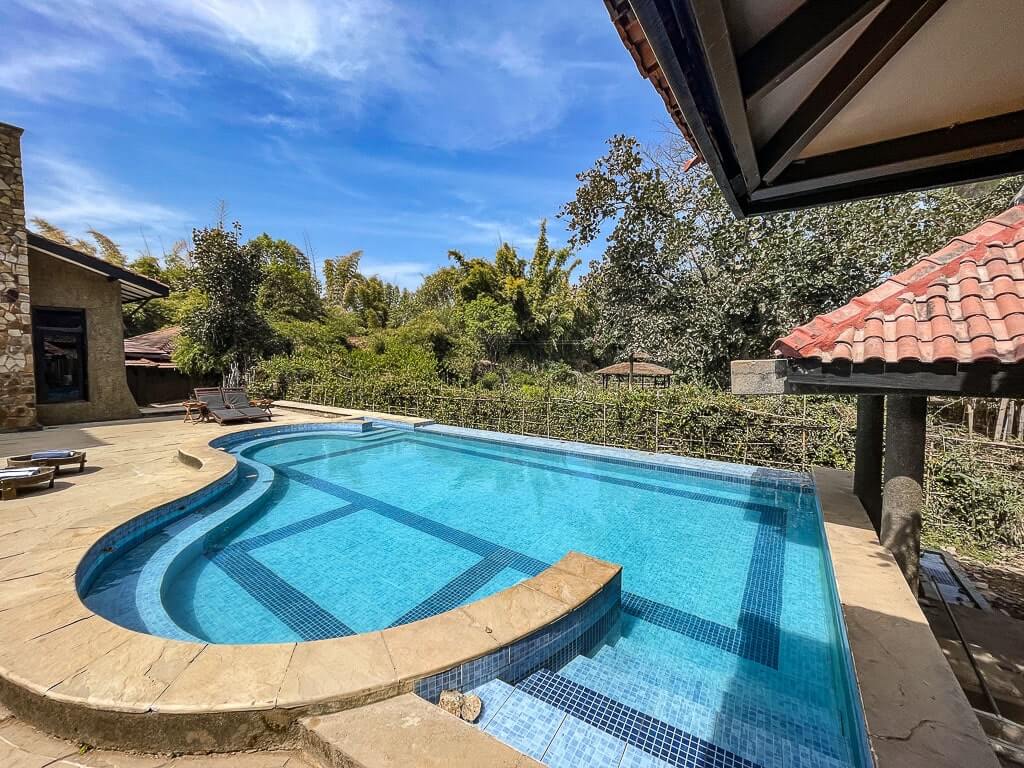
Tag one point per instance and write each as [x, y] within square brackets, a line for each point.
[263, 403]
[9, 486]
[195, 411]
[76, 457]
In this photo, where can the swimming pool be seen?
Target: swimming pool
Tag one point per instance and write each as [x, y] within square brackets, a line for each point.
[730, 649]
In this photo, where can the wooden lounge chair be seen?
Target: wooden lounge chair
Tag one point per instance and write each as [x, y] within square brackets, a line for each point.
[239, 401]
[216, 408]
[11, 480]
[55, 459]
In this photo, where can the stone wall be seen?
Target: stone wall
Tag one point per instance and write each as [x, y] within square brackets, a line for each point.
[58, 284]
[17, 380]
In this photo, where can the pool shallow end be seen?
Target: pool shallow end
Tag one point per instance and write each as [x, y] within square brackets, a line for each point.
[80, 677]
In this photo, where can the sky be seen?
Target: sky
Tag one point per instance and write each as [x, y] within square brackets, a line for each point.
[400, 127]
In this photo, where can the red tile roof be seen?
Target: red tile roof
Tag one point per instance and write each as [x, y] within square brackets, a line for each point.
[964, 303]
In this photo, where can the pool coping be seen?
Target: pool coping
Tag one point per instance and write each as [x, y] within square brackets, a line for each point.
[916, 713]
[79, 676]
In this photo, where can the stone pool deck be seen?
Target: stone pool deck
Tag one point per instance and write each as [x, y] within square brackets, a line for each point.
[80, 677]
[57, 660]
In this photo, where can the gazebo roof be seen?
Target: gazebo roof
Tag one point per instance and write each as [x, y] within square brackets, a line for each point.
[639, 369]
[962, 304]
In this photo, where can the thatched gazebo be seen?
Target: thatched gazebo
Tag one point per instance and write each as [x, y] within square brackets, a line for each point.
[638, 368]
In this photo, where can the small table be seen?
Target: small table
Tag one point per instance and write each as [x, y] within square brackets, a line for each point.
[263, 403]
[195, 411]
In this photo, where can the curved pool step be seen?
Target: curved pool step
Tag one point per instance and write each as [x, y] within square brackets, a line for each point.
[775, 738]
[702, 684]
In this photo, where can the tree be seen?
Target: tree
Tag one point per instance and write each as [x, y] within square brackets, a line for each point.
[223, 331]
[289, 291]
[492, 324]
[337, 275]
[681, 278]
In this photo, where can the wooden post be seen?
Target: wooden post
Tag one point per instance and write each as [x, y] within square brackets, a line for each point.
[867, 468]
[903, 494]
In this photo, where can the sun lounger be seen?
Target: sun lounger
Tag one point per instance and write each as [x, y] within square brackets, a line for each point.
[11, 480]
[238, 400]
[216, 408]
[56, 459]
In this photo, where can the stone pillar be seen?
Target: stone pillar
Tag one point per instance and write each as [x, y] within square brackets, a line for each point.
[867, 468]
[903, 495]
[17, 377]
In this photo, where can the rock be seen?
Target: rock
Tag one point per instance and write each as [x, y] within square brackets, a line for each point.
[471, 706]
[464, 705]
[451, 702]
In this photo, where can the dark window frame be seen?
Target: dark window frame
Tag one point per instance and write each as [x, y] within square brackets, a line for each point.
[38, 330]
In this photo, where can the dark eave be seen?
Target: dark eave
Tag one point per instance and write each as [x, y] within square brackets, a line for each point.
[134, 287]
[814, 144]
[983, 379]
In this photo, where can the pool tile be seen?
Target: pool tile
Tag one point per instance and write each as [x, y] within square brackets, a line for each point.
[526, 723]
[578, 745]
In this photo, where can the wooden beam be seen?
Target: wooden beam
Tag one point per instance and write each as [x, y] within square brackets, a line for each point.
[807, 377]
[676, 43]
[962, 142]
[709, 17]
[877, 44]
[799, 38]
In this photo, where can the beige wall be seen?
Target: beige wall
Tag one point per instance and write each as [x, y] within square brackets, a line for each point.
[58, 284]
[17, 383]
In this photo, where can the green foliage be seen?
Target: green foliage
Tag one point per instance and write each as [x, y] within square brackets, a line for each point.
[971, 504]
[684, 280]
[490, 323]
[224, 331]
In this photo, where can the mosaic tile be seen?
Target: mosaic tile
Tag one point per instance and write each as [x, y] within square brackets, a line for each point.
[577, 744]
[526, 723]
[632, 726]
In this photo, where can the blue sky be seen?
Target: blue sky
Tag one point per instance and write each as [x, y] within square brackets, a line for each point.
[403, 128]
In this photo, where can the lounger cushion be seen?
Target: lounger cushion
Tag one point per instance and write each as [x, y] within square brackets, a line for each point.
[6, 474]
[52, 455]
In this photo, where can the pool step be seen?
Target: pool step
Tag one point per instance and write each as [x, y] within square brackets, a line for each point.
[726, 721]
[702, 684]
[807, 688]
[595, 714]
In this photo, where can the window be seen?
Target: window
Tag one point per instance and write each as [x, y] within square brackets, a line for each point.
[58, 336]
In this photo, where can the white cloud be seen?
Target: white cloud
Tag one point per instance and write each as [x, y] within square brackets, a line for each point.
[463, 74]
[76, 198]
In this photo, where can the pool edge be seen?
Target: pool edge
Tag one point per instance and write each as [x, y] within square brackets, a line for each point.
[916, 713]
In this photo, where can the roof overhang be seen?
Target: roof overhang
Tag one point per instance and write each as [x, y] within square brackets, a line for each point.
[134, 287]
[796, 103]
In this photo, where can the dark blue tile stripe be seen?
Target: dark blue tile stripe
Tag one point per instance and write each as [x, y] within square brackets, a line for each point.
[761, 607]
[300, 526]
[303, 616]
[441, 531]
[368, 445]
[705, 498]
[458, 590]
[640, 730]
[756, 638]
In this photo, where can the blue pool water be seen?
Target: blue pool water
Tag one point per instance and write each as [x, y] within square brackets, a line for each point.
[730, 652]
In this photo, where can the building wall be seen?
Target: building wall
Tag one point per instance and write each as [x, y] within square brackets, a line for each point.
[60, 285]
[17, 379]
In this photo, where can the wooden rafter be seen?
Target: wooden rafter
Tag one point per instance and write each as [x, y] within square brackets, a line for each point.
[798, 39]
[875, 46]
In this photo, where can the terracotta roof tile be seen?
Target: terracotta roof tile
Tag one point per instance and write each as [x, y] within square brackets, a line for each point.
[963, 303]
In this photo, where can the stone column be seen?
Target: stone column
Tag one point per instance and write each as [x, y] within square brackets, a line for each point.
[867, 468]
[17, 377]
[903, 495]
